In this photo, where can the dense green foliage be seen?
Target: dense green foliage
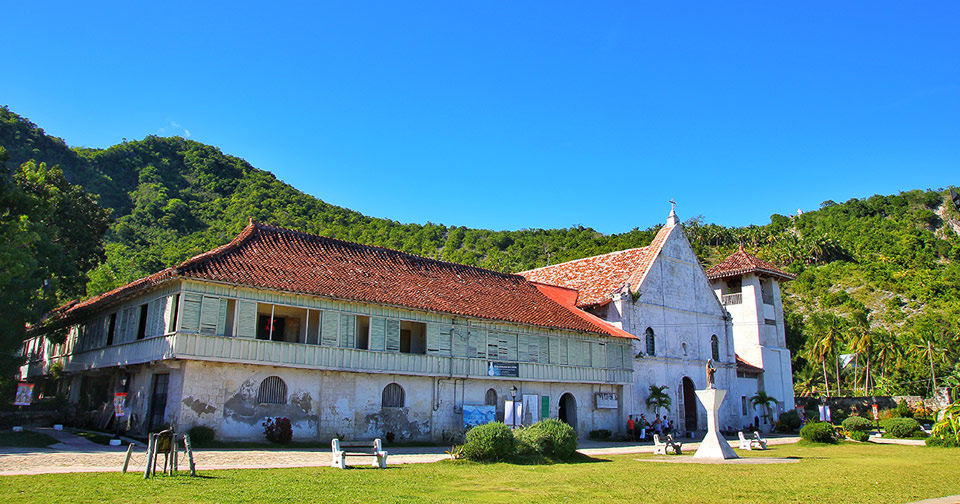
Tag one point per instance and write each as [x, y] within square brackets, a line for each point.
[901, 427]
[858, 435]
[857, 423]
[201, 436]
[818, 432]
[489, 443]
[549, 438]
[876, 277]
[789, 421]
[51, 232]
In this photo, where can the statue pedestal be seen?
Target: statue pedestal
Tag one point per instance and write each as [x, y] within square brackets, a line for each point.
[713, 445]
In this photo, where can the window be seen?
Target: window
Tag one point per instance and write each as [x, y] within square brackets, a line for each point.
[142, 326]
[651, 343]
[743, 404]
[363, 332]
[413, 337]
[273, 390]
[491, 398]
[715, 347]
[393, 396]
[266, 331]
[112, 328]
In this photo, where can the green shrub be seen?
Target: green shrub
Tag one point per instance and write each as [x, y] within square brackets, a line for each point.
[489, 442]
[858, 435]
[789, 421]
[278, 430]
[818, 432]
[550, 438]
[903, 410]
[943, 442]
[856, 423]
[600, 434]
[902, 427]
[201, 435]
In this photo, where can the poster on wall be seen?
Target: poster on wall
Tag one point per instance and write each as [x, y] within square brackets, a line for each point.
[118, 401]
[477, 414]
[513, 413]
[531, 413]
[24, 394]
[607, 400]
[503, 369]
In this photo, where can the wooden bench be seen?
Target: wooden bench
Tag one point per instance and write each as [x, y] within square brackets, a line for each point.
[660, 448]
[342, 450]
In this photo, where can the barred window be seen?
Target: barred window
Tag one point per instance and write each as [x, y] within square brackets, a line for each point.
[651, 343]
[272, 391]
[393, 396]
[715, 347]
[491, 398]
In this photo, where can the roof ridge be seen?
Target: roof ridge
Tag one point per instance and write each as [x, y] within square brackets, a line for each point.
[350, 244]
[584, 259]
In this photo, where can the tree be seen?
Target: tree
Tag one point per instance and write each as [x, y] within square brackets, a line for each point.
[862, 341]
[659, 398]
[51, 231]
[764, 401]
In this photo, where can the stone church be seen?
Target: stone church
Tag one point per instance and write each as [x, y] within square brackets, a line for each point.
[359, 342]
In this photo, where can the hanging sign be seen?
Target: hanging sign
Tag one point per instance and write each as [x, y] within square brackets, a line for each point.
[503, 369]
[118, 399]
[876, 412]
[476, 414]
[24, 394]
[607, 400]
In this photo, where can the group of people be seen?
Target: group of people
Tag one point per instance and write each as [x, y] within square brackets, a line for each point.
[640, 429]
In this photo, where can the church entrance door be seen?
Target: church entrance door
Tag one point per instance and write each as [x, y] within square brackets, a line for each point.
[689, 404]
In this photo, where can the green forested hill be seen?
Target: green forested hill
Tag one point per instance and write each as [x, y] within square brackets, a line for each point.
[876, 275]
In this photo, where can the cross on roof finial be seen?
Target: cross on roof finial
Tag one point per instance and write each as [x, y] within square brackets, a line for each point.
[673, 205]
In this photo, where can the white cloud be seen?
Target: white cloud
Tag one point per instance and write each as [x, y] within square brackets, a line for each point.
[175, 129]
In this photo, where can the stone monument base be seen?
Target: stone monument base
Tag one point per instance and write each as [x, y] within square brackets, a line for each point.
[713, 445]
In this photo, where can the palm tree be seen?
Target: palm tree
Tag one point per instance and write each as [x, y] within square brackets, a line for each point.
[826, 329]
[886, 349]
[862, 342]
[763, 400]
[659, 398]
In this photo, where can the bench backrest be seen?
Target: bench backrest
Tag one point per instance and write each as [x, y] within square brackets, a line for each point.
[373, 445]
[656, 439]
[740, 433]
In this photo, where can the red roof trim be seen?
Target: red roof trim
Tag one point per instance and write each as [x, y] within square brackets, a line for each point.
[567, 298]
[740, 263]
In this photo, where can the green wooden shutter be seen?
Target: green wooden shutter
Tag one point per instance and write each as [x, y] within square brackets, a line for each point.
[599, 355]
[544, 350]
[190, 318]
[393, 335]
[476, 344]
[563, 351]
[433, 339]
[329, 326]
[446, 341]
[554, 350]
[523, 343]
[493, 346]
[628, 356]
[247, 319]
[533, 348]
[209, 314]
[462, 339]
[348, 330]
[222, 319]
[378, 333]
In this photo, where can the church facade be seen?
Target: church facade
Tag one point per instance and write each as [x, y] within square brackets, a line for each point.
[359, 342]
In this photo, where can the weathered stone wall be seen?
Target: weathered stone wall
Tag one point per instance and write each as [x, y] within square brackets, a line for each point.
[325, 404]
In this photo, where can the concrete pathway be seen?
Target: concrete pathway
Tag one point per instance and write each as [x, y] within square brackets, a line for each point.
[76, 454]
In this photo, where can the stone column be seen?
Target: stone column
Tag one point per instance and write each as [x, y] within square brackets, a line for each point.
[713, 445]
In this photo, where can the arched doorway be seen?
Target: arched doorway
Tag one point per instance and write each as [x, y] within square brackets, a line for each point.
[568, 410]
[689, 405]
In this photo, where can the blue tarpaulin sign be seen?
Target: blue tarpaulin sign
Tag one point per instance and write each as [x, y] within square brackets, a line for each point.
[475, 414]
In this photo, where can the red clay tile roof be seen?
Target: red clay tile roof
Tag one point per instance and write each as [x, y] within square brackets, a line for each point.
[743, 367]
[274, 258]
[596, 278]
[741, 263]
[568, 299]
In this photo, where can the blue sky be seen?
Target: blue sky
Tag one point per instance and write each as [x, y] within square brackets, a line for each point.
[516, 115]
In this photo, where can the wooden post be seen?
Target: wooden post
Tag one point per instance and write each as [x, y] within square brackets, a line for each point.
[150, 443]
[173, 455]
[189, 448]
[126, 460]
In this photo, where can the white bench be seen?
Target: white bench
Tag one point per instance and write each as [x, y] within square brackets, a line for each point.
[358, 449]
[660, 448]
[754, 442]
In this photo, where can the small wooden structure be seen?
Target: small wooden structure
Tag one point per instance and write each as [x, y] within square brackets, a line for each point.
[165, 443]
[358, 449]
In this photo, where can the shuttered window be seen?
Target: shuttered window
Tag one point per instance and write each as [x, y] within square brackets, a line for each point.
[378, 333]
[393, 396]
[651, 342]
[190, 319]
[348, 330]
[715, 347]
[329, 327]
[393, 335]
[273, 390]
[247, 319]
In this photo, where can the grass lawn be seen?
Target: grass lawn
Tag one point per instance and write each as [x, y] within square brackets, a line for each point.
[849, 472]
[25, 439]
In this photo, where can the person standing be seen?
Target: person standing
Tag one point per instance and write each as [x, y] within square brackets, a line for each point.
[643, 427]
[631, 429]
